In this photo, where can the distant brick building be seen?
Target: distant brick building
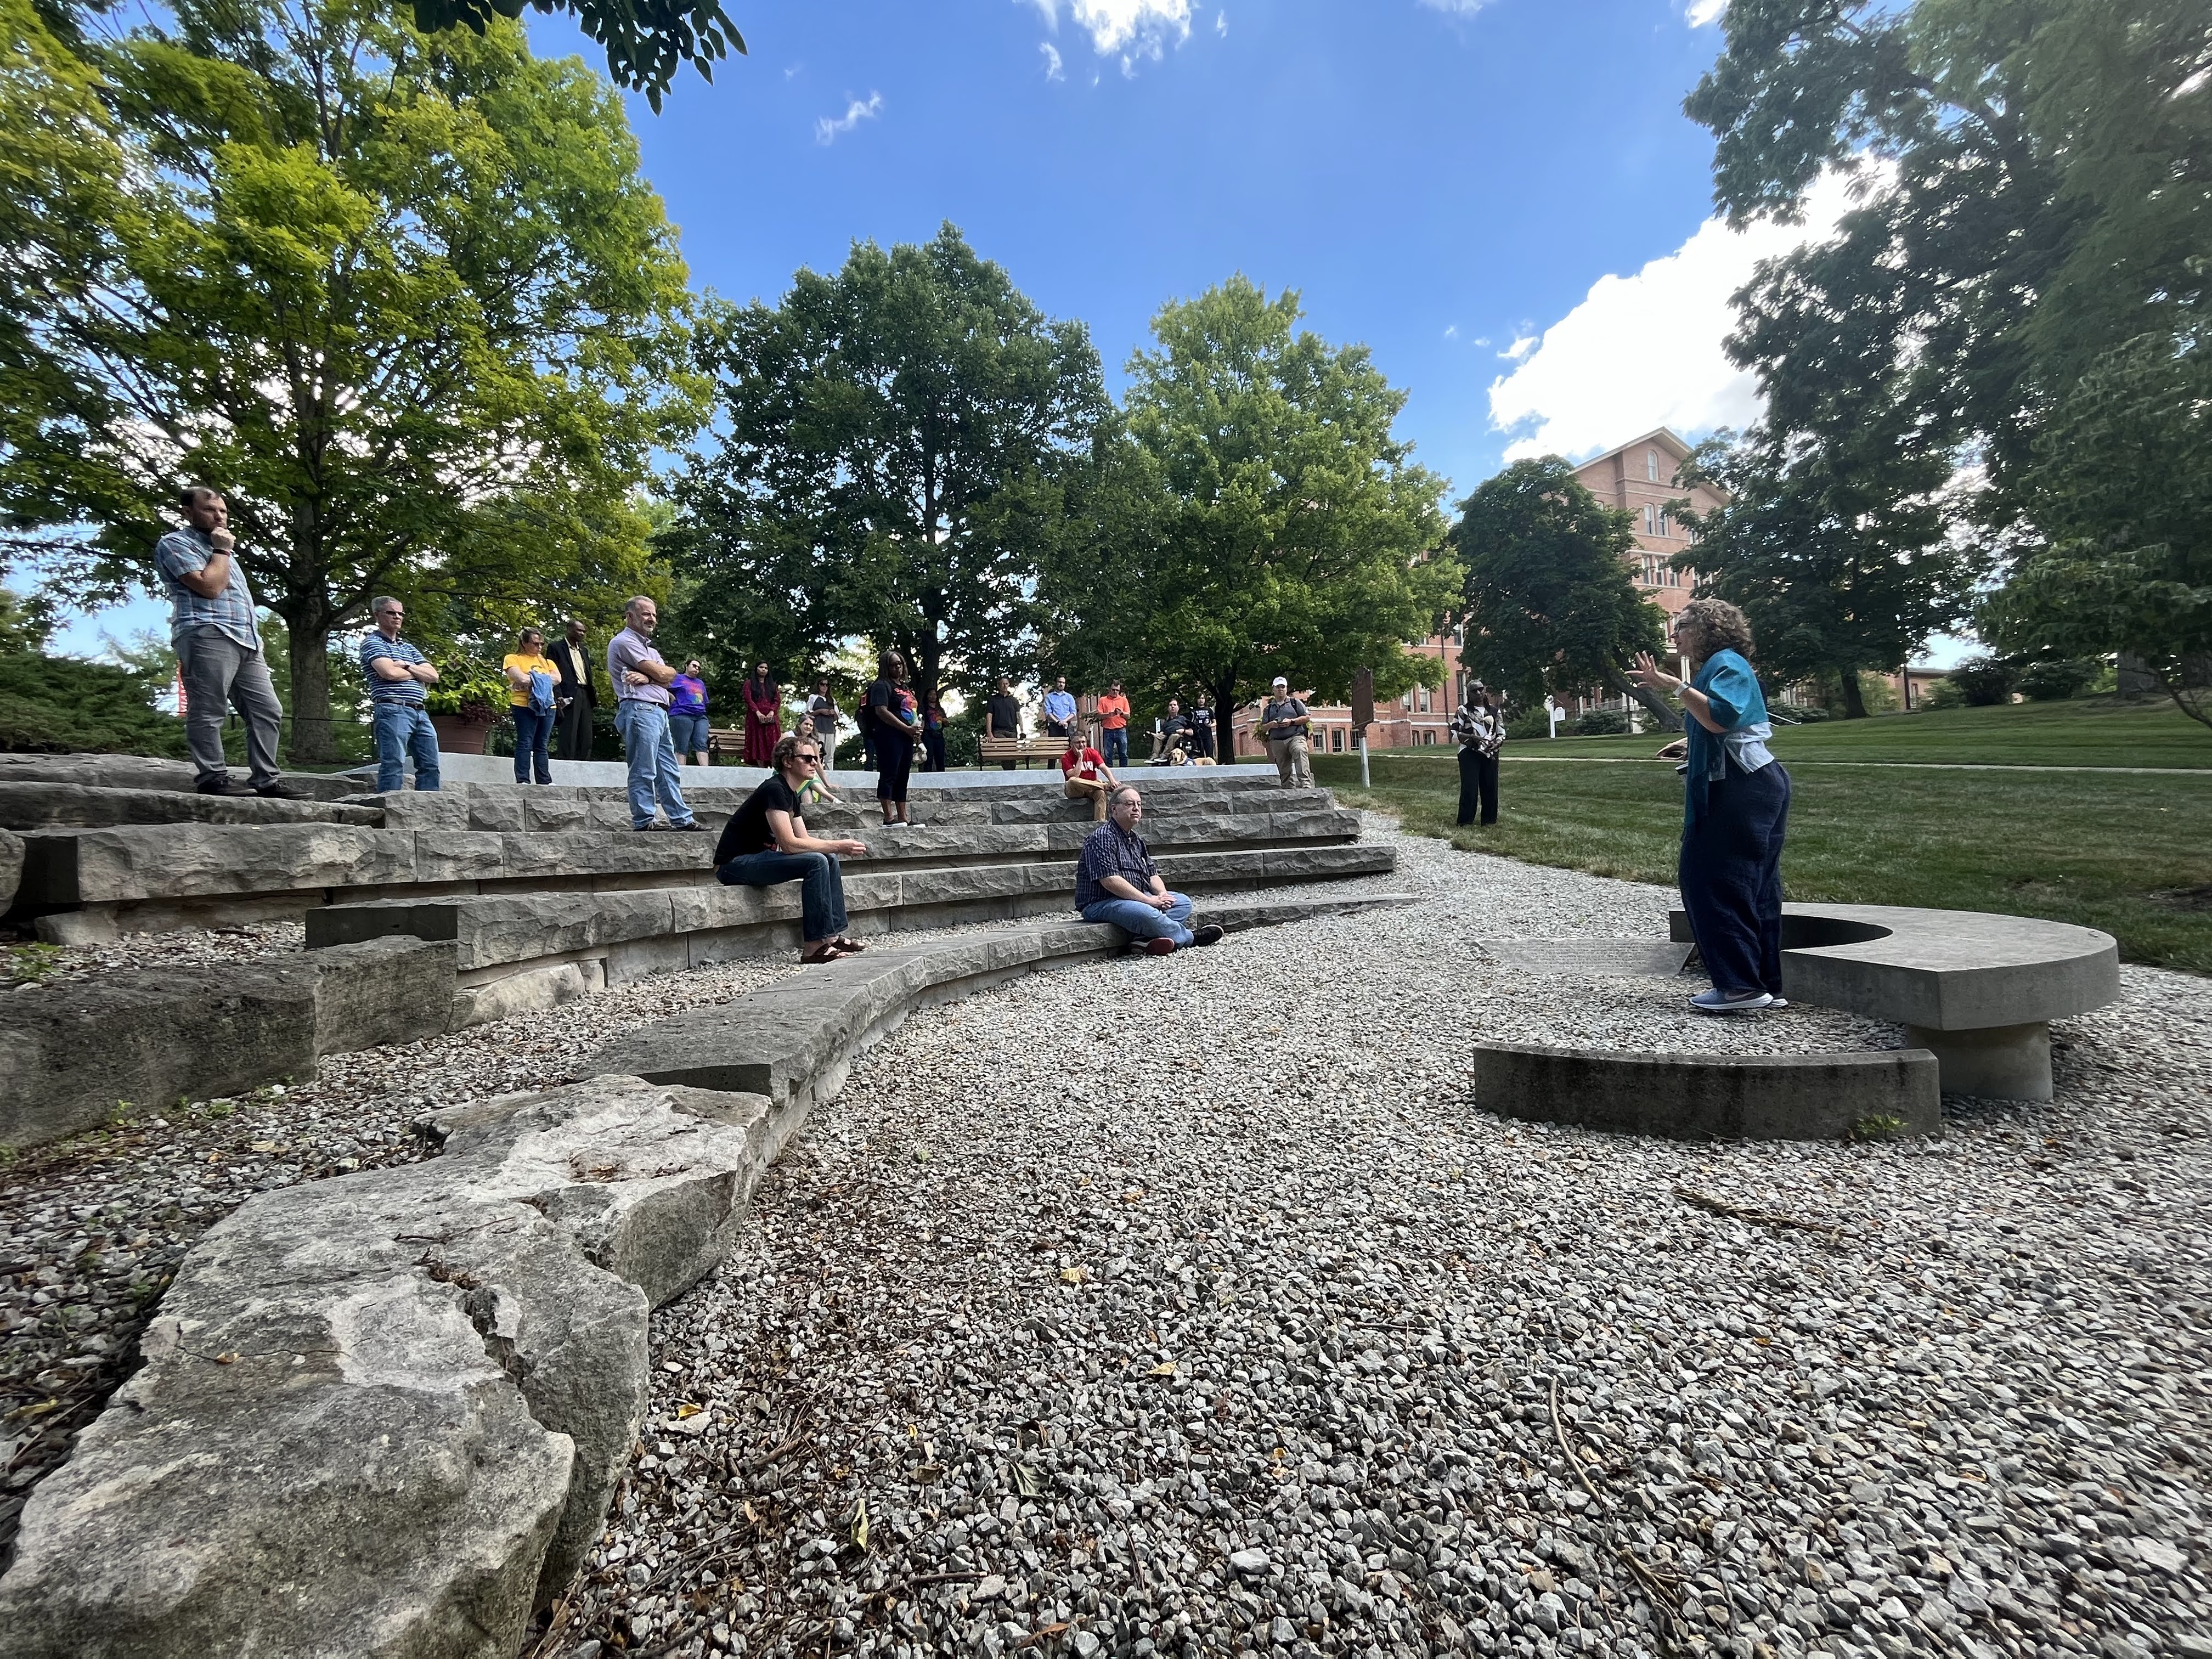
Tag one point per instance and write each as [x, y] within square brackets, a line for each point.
[1638, 477]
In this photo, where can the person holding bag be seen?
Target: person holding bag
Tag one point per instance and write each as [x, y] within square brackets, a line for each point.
[1735, 808]
[1479, 723]
[530, 681]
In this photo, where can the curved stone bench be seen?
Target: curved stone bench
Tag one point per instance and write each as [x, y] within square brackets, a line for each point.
[1709, 1097]
[385, 1413]
[1976, 988]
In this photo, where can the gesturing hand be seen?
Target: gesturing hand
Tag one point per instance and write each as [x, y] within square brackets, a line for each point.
[1649, 671]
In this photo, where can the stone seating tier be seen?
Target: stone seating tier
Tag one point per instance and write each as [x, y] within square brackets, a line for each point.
[85, 885]
[554, 948]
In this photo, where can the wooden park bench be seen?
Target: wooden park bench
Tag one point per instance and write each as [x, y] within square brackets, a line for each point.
[1023, 750]
[725, 740]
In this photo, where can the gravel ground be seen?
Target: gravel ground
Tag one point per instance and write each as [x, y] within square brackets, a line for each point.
[1118, 1343]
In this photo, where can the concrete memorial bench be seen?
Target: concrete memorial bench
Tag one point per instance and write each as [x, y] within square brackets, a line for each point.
[1976, 989]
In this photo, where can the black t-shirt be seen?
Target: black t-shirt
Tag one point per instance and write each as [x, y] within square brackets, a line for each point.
[1005, 716]
[747, 831]
[883, 694]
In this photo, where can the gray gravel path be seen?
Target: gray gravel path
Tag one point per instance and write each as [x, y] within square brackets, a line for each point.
[1067, 1331]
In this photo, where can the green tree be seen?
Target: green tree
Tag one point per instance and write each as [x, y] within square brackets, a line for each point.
[645, 41]
[1550, 603]
[2123, 486]
[895, 443]
[1252, 515]
[407, 302]
[2037, 197]
[1837, 552]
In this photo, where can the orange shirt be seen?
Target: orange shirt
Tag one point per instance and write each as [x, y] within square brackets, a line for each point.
[1113, 711]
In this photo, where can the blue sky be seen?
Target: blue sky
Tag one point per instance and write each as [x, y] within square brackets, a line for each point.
[1503, 200]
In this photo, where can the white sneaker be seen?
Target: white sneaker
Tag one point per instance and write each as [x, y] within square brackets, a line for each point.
[1716, 1001]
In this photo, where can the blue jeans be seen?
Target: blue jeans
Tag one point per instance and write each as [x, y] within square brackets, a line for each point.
[821, 890]
[652, 756]
[1114, 745]
[532, 726]
[405, 728]
[1140, 920]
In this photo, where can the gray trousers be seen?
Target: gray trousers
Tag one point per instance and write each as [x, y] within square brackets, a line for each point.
[220, 674]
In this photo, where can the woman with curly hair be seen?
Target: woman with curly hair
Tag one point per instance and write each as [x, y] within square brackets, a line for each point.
[1735, 807]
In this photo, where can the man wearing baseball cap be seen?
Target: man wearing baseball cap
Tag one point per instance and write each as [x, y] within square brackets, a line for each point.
[1284, 724]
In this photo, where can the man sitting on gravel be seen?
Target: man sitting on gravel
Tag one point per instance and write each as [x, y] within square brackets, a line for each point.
[765, 843]
[1116, 881]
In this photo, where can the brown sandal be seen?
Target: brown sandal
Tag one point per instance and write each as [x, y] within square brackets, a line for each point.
[826, 952]
[851, 947]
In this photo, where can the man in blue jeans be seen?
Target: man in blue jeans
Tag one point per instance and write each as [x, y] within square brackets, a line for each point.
[766, 843]
[396, 673]
[1116, 881]
[642, 680]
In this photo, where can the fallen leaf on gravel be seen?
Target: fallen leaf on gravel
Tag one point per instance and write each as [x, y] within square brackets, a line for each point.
[225, 1359]
[1165, 1368]
[1026, 1481]
[860, 1523]
[689, 1410]
[1074, 1275]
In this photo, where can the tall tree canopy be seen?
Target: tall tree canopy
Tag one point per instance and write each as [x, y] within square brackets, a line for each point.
[894, 444]
[1550, 603]
[2039, 179]
[1252, 515]
[406, 302]
[1837, 551]
[646, 40]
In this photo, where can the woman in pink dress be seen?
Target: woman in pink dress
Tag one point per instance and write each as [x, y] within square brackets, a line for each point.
[764, 716]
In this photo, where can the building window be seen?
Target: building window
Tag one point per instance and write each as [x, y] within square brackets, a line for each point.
[1650, 520]
[1651, 464]
[1421, 698]
[1336, 739]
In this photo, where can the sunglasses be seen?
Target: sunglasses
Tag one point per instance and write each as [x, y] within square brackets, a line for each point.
[811, 760]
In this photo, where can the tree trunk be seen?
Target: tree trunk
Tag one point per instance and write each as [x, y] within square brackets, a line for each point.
[1662, 713]
[1854, 706]
[310, 713]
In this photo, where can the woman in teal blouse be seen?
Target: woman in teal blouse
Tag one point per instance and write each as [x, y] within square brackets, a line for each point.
[1735, 807]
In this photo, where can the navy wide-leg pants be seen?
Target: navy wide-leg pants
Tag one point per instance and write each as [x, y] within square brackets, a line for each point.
[1731, 878]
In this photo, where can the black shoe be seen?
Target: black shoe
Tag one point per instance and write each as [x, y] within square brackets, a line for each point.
[692, 823]
[222, 786]
[1209, 935]
[280, 792]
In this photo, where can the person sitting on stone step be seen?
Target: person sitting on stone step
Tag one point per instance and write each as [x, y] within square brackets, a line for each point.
[1116, 881]
[1085, 774]
[766, 843]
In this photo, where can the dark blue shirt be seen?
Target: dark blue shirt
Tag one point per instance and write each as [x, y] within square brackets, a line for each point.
[1110, 850]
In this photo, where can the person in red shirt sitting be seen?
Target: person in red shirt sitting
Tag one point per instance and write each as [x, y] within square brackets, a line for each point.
[1086, 774]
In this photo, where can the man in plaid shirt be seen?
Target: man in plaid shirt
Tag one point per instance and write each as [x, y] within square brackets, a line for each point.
[1116, 881]
[218, 646]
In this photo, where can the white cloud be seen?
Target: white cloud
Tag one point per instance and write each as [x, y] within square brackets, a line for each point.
[1701, 12]
[1221, 22]
[1451, 330]
[1521, 346]
[827, 131]
[1465, 8]
[1135, 29]
[1051, 70]
[1645, 351]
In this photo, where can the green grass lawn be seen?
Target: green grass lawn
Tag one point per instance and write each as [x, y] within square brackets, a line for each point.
[2085, 732]
[2127, 852]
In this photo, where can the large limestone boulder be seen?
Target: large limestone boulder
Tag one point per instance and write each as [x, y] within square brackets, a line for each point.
[384, 1415]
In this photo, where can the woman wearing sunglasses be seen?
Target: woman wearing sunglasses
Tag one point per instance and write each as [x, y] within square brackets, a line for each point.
[767, 844]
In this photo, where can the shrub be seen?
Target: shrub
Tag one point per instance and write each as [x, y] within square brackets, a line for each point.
[57, 705]
[1944, 694]
[1529, 723]
[2054, 679]
[1983, 681]
[1603, 723]
[964, 740]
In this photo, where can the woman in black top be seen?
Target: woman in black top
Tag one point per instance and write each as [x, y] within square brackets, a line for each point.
[887, 717]
[766, 843]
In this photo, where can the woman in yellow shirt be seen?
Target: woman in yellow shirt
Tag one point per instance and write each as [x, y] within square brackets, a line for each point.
[533, 724]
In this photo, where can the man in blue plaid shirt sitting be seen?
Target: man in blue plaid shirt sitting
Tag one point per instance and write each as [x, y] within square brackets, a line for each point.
[1116, 881]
